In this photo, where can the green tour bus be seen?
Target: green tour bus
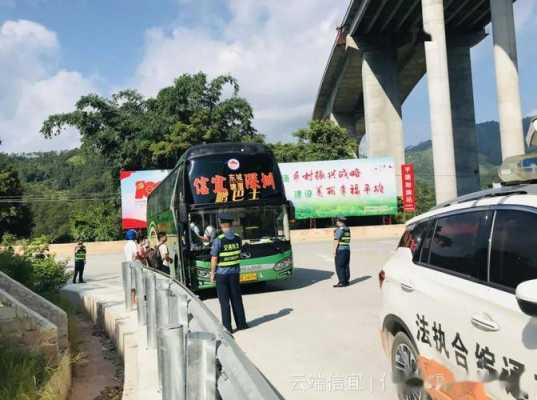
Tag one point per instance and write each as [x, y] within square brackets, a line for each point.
[244, 180]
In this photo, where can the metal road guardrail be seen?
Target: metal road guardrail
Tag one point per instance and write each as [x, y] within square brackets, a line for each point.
[197, 358]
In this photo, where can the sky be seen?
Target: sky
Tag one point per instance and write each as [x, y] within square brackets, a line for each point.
[54, 51]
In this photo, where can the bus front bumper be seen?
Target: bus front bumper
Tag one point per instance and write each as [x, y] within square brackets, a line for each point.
[246, 277]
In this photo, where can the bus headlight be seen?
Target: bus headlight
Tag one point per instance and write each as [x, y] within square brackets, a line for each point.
[283, 264]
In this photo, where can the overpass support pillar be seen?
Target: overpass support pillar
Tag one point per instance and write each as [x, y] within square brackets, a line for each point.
[349, 123]
[508, 90]
[463, 112]
[382, 105]
[439, 100]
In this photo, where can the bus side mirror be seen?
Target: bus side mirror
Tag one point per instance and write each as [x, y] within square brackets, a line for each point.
[183, 214]
[291, 211]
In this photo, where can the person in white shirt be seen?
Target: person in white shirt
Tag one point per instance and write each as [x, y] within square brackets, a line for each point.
[164, 252]
[130, 248]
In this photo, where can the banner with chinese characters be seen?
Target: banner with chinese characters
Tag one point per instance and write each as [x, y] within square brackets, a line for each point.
[135, 188]
[358, 187]
[408, 187]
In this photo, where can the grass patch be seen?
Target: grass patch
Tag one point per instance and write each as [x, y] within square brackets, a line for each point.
[22, 373]
[72, 325]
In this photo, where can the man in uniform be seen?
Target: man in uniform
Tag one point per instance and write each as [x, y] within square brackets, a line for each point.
[225, 271]
[80, 262]
[342, 252]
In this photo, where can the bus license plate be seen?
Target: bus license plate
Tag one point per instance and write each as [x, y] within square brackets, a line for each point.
[248, 277]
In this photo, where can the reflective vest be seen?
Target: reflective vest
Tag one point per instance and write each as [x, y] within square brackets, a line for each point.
[345, 239]
[80, 254]
[230, 252]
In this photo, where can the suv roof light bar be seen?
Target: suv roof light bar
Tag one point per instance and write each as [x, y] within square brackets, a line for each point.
[495, 192]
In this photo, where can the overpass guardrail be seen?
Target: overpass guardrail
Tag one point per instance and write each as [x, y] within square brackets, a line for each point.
[197, 358]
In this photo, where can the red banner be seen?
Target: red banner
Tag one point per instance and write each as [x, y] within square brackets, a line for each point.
[135, 188]
[408, 187]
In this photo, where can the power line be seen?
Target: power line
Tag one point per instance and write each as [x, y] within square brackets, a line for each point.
[93, 197]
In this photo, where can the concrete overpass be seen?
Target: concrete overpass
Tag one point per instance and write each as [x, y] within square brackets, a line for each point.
[384, 48]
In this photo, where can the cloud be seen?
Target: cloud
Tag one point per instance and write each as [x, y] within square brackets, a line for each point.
[277, 50]
[33, 87]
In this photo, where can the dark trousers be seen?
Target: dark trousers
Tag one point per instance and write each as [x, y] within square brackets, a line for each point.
[228, 290]
[343, 271]
[79, 271]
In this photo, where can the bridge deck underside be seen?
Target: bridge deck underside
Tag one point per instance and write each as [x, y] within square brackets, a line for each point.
[341, 88]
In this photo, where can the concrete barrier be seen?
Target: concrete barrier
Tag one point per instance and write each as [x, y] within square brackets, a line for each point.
[357, 233]
[65, 250]
[35, 323]
[40, 305]
[105, 307]
[22, 325]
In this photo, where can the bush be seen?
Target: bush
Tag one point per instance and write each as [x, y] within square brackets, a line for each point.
[17, 267]
[8, 240]
[37, 247]
[49, 275]
[35, 268]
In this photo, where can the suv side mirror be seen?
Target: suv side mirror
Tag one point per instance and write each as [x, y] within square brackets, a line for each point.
[526, 295]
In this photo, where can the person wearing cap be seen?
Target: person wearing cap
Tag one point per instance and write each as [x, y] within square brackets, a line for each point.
[80, 262]
[131, 248]
[342, 252]
[225, 272]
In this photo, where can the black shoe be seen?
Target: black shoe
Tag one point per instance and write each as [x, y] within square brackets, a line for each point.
[74, 283]
[338, 285]
[81, 281]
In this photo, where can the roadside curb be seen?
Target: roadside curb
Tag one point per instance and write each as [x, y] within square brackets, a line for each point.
[106, 309]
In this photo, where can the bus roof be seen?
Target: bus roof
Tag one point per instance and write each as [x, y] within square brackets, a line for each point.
[202, 150]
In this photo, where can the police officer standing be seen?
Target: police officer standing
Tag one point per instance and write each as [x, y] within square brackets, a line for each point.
[342, 252]
[225, 271]
[80, 262]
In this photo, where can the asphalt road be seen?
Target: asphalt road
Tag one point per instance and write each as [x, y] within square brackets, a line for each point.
[310, 340]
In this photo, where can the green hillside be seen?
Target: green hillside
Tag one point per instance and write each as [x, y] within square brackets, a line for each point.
[488, 136]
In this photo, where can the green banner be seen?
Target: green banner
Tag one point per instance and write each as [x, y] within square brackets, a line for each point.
[359, 187]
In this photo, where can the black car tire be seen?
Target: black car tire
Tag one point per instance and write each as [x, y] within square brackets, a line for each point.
[405, 371]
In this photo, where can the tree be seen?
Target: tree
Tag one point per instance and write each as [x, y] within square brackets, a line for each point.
[133, 132]
[56, 184]
[425, 196]
[96, 222]
[321, 140]
[15, 217]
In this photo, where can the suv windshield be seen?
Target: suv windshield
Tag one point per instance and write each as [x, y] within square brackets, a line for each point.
[252, 224]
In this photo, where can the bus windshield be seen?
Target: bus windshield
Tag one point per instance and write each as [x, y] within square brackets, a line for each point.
[253, 224]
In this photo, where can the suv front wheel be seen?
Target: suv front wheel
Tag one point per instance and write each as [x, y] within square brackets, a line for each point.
[405, 371]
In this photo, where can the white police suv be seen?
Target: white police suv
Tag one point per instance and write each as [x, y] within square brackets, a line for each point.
[459, 314]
